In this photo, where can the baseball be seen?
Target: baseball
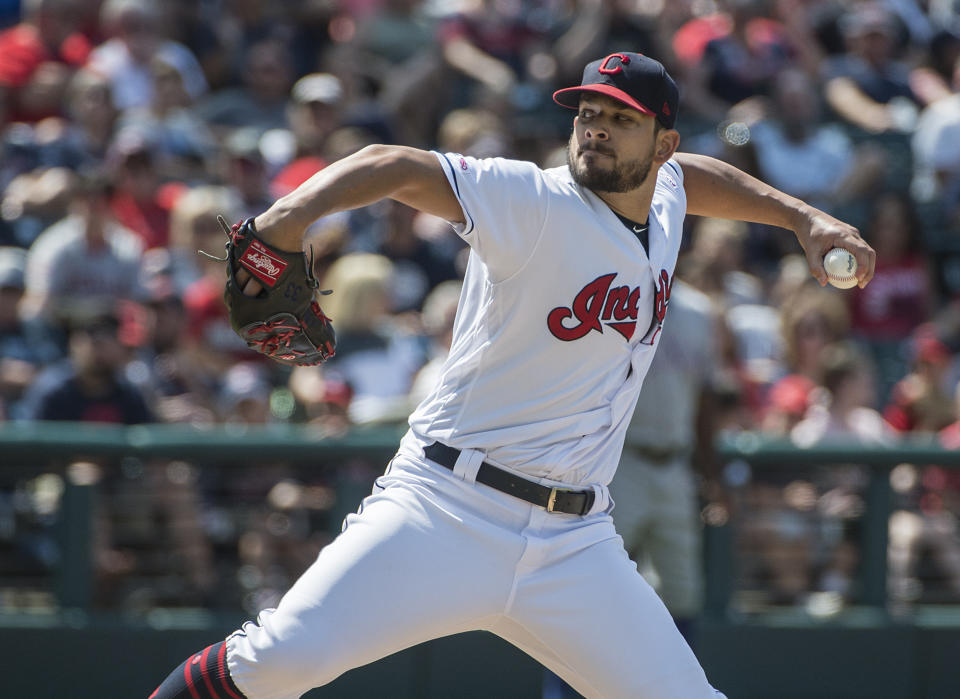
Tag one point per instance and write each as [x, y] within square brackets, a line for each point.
[841, 268]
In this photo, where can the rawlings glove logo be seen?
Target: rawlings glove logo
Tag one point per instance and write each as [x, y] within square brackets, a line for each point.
[262, 264]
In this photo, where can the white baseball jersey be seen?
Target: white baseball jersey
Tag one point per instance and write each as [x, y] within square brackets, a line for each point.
[557, 323]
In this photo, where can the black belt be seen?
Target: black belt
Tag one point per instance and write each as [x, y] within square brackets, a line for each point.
[571, 502]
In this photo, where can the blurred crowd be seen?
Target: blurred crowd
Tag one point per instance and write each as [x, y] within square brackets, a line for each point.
[126, 126]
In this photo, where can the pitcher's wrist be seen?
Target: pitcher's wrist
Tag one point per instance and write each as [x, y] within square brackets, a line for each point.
[281, 228]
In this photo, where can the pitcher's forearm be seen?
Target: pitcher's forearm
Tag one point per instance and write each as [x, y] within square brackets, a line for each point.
[367, 176]
[719, 190]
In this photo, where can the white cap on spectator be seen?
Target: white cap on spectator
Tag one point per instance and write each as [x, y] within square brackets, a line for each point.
[246, 381]
[317, 87]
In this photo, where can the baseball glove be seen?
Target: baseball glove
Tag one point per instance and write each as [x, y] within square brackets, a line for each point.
[284, 321]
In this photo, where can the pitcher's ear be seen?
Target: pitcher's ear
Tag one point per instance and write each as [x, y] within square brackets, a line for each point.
[668, 141]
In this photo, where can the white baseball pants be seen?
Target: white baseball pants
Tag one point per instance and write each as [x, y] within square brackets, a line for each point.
[430, 555]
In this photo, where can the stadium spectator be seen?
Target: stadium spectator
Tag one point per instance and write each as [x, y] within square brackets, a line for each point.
[179, 140]
[38, 161]
[741, 60]
[868, 87]
[799, 153]
[244, 396]
[846, 412]
[903, 296]
[80, 140]
[886, 312]
[135, 203]
[34, 201]
[134, 27]
[477, 132]
[162, 365]
[314, 113]
[921, 400]
[244, 171]
[716, 263]
[261, 101]
[375, 358]
[439, 313]
[191, 24]
[90, 386]
[398, 31]
[924, 545]
[86, 259]
[396, 52]
[932, 79]
[193, 227]
[813, 319]
[485, 43]
[92, 116]
[936, 151]
[37, 58]
[778, 541]
[323, 399]
[419, 265]
[501, 55]
[24, 348]
[305, 28]
[787, 404]
[756, 328]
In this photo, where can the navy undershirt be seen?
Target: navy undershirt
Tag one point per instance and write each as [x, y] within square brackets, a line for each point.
[641, 230]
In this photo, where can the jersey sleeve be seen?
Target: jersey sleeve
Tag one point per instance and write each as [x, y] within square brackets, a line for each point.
[670, 198]
[504, 204]
[670, 181]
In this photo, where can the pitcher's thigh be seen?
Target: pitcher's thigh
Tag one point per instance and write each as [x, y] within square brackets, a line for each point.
[601, 620]
[386, 583]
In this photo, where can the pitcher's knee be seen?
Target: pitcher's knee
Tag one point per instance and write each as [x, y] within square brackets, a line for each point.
[278, 657]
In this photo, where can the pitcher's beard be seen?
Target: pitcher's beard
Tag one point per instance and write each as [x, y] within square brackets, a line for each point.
[621, 178]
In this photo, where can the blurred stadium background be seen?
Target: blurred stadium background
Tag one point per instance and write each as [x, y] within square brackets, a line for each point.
[159, 484]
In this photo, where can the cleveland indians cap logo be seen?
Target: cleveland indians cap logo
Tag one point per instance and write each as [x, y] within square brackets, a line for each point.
[624, 60]
[599, 303]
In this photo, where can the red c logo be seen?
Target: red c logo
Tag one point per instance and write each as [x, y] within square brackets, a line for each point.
[613, 71]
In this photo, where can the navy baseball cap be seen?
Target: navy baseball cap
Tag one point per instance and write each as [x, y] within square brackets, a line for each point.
[632, 78]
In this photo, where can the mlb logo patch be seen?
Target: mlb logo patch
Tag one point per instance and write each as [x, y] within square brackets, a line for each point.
[262, 263]
[463, 164]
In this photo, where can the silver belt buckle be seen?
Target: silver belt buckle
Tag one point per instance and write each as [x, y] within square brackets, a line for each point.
[552, 500]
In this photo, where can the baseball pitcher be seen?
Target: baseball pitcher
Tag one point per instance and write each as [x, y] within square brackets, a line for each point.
[495, 513]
